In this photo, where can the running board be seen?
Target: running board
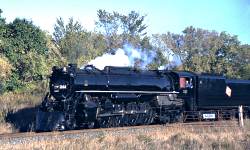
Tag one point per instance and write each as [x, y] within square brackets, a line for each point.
[136, 92]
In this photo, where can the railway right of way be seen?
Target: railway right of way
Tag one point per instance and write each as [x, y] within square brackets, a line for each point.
[28, 137]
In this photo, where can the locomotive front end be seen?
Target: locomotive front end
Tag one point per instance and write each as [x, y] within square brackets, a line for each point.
[49, 121]
[50, 115]
[60, 81]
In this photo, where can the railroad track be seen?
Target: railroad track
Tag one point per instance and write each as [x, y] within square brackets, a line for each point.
[18, 138]
[218, 124]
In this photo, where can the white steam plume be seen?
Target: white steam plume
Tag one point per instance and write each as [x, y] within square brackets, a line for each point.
[123, 58]
[127, 57]
[119, 59]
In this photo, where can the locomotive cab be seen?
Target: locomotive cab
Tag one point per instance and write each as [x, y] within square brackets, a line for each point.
[187, 83]
[187, 86]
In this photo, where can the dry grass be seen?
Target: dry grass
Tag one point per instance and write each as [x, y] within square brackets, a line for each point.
[168, 138]
[19, 100]
[12, 108]
[12, 102]
[6, 128]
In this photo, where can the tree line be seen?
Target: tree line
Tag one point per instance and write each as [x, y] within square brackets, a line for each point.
[27, 53]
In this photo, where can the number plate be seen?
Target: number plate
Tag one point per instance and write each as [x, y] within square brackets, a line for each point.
[208, 116]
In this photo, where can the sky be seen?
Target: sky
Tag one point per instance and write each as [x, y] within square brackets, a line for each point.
[232, 16]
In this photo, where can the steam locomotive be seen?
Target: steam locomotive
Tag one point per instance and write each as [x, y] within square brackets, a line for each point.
[124, 96]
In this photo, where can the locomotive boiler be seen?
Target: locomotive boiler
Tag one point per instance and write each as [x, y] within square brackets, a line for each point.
[124, 96]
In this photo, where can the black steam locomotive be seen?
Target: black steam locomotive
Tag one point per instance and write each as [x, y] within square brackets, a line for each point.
[123, 96]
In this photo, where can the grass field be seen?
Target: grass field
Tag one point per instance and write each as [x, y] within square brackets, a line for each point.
[17, 111]
[184, 138]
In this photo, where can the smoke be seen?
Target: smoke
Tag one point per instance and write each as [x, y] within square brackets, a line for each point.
[129, 56]
[174, 60]
[119, 59]
[126, 57]
[138, 57]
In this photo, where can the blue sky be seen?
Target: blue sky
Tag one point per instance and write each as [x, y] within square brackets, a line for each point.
[232, 16]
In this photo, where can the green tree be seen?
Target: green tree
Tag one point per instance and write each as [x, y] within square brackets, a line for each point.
[76, 44]
[244, 59]
[25, 47]
[5, 72]
[159, 58]
[108, 25]
[3, 29]
[2, 20]
[133, 28]
[133, 24]
[69, 39]
[205, 51]
[23, 39]
[120, 29]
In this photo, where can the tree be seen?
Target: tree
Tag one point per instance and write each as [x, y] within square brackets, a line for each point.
[76, 44]
[68, 38]
[244, 59]
[120, 29]
[3, 29]
[133, 24]
[108, 25]
[125, 30]
[2, 20]
[167, 46]
[5, 72]
[25, 47]
[206, 51]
